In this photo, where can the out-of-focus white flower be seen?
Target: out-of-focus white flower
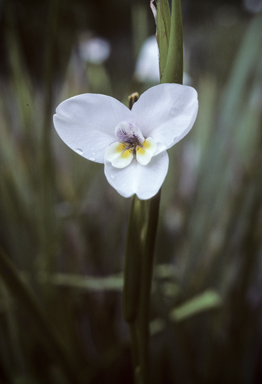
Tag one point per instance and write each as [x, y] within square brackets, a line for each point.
[253, 6]
[132, 144]
[186, 78]
[147, 65]
[94, 49]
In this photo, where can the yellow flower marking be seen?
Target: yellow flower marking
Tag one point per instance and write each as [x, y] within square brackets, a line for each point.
[127, 153]
[121, 147]
[142, 149]
[146, 144]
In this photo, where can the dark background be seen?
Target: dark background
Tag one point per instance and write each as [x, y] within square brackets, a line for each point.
[208, 26]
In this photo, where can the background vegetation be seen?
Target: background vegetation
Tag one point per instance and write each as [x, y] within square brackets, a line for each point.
[62, 227]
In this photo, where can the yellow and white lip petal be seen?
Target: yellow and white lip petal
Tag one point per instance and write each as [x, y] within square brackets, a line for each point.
[145, 152]
[119, 154]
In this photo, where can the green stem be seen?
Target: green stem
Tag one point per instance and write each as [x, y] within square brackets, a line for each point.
[134, 346]
[163, 33]
[132, 276]
[143, 218]
[145, 287]
[48, 77]
[137, 279]
[134, 254]
[174, 64]
[134, 261]
[48, 229]
[136, 233]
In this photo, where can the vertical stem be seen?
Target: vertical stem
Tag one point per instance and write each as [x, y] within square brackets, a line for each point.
[140, 242]
[48, 77]
[163, 32]
[137, 280]
[145, 287]
[174, 64]
[144, 214]
[48, 230]
[134, 345]
[132, 276]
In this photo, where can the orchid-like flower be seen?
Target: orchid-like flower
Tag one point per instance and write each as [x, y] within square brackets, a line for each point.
[132, 144]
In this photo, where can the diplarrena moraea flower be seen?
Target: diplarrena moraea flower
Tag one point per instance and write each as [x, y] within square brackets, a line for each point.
[132, 144]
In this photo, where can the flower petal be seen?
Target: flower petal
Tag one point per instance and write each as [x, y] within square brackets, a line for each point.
[119, 154]
[144, 180]
[152, 176]
[166, 112]
[86, 123]
[145, 153]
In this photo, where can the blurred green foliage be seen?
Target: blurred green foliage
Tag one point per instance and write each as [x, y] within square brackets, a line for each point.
[62, 227]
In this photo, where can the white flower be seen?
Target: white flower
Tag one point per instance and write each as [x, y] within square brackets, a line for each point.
[147, 65]
[131, 143]
[253, 6]
[94, 49]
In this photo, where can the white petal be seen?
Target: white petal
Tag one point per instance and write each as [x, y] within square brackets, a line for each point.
[166, 112]
[160, 148]
[113, 150]
[145, 153]
[152, 176]
[119, 155]
[86, 123]
[124, 180]
[144, 180]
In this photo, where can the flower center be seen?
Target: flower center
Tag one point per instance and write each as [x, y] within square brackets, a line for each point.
[131, 145]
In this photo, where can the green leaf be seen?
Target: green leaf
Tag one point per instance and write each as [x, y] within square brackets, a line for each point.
[27, 299]
[173, 72]
[162, 17]
[205, 301]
